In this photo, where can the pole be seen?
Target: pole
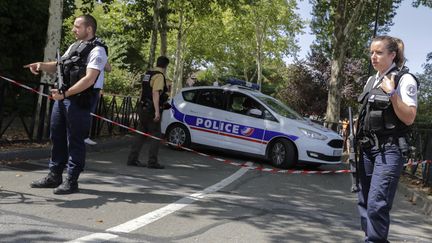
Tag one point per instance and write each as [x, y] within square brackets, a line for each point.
[375, 31]
[353, 156]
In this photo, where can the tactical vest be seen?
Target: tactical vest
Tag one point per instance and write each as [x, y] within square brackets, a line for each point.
[147, 90]
[377, 116]
[74, 65]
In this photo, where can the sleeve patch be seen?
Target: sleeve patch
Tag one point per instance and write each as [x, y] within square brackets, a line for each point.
[98, 60]
[411, 90]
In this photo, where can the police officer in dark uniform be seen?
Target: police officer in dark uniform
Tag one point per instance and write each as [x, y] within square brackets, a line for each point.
[70, 119]
[389, 102]
[153, 99]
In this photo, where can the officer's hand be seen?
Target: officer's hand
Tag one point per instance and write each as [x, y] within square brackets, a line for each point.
[56, 95]
[388, 84]
[157, 116]
[34, 67]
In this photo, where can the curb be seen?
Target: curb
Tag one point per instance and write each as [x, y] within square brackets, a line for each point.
[45, 152]
[415, 197]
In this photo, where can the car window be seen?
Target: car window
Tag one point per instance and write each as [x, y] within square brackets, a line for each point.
[189, 95]
[211, 97]
[279, 107]
[243, 104]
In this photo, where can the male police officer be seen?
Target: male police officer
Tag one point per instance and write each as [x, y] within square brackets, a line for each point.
[153, 97]
[70, 118]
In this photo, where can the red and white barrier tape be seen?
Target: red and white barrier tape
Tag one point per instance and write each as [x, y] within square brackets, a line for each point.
[412, 163]
[259, 168]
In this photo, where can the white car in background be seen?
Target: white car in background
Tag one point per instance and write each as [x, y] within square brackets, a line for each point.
[242, 119]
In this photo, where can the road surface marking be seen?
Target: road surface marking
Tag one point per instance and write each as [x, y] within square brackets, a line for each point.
[151, 217]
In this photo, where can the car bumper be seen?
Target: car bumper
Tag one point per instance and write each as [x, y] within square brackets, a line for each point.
[323, 157]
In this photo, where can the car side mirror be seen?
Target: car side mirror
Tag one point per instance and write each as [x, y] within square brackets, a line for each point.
[255, 112]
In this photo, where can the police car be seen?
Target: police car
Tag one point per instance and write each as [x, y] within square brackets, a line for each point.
[242, 119]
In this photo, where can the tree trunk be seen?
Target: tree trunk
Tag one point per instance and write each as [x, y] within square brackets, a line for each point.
[164, 28]
[53, 36]
[334, 97]
[155, 27]
[178, 73]
[258, 56]
[52, 43]
[344, 22]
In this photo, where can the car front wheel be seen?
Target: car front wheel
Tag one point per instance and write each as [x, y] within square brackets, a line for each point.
[282, 154]
[178, 135]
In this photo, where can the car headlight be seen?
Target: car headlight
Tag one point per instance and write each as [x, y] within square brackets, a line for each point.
[312, 134]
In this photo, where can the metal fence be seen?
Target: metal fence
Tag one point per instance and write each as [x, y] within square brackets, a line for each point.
[25, 117]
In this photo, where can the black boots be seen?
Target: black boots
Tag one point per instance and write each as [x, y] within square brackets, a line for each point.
[69, 186]
[155, 166]
[52, 180]
[136, 163]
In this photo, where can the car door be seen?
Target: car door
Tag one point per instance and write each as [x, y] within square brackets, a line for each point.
[203, 114]
[243, 128]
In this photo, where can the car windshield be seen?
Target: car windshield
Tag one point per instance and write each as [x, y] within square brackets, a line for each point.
[279, 107]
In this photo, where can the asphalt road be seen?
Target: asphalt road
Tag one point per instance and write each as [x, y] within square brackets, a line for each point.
[195, 199]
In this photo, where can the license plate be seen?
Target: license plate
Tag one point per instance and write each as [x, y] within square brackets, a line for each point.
[337, 152]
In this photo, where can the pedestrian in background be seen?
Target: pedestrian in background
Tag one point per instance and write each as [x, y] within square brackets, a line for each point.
[97, 92]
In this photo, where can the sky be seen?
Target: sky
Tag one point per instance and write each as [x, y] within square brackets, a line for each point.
[412, 25]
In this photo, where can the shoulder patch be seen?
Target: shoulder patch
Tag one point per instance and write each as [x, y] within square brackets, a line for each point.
[98, 60]
[411, 90]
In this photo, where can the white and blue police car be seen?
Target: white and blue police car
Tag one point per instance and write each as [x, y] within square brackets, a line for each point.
[238, 118]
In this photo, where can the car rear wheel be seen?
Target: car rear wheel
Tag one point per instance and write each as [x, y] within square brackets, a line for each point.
[282, 154]
[179, 135]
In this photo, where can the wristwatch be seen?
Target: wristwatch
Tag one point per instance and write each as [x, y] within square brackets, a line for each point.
[391, 93]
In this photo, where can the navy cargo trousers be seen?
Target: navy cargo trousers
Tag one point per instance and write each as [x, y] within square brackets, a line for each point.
[70, 124]
[379, 176]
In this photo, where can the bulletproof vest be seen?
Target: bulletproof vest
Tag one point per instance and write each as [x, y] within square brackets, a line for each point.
[377, 115]
[74, 65]
[147, 91]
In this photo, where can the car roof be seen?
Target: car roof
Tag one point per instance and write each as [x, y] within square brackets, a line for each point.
[226, 87]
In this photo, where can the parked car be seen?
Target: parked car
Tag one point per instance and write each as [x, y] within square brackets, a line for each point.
[242, 119]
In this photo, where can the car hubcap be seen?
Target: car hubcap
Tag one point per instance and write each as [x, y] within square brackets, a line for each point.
[278, 152]
[177, 136]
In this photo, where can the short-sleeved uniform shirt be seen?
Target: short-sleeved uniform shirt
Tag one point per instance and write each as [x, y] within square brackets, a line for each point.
[157, 81]
[96, 59]
[406, 89]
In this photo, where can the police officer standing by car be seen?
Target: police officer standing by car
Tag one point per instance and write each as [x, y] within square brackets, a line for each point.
[389, 106]
[153, 97]
[70, 119]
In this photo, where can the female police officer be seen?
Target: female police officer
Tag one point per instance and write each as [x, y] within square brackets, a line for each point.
[389, 102]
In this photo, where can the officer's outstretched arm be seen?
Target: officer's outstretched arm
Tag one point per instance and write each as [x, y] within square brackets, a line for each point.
[88, 80]
[49, 67]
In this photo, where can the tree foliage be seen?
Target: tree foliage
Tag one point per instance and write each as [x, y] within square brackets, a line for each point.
[22, 40]
[424, 113]
[305, 84]
[348, 23]
[426, 3]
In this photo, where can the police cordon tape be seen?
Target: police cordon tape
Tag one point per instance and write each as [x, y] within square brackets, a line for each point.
[259, 168]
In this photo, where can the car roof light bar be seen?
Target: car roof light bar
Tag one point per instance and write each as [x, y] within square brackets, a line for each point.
[239, 82]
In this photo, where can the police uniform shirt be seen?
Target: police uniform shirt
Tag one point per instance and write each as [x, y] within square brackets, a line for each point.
[157, 80]
[406, 89]
[96, 59]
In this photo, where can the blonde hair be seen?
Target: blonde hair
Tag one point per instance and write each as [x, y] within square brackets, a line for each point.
[394, 44]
